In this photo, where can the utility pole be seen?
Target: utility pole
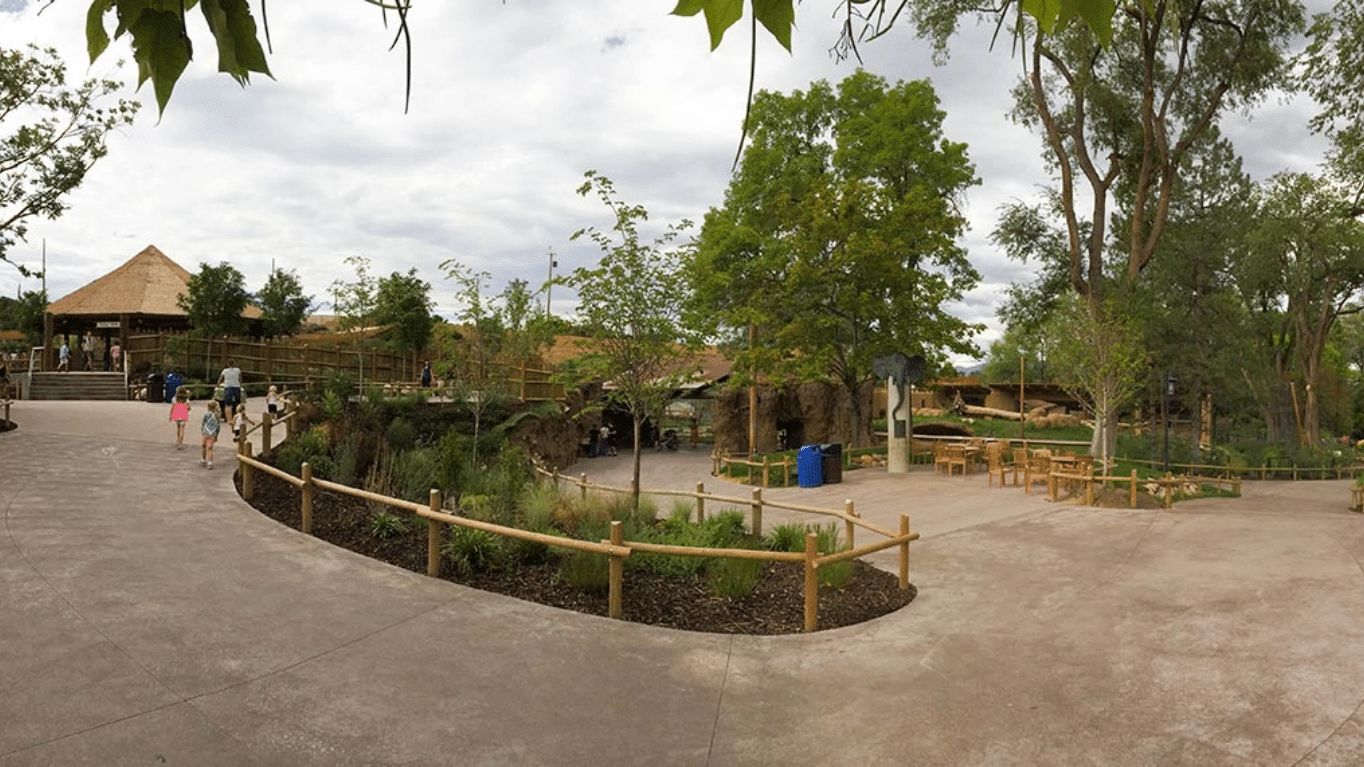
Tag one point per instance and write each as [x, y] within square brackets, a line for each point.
[549, 283]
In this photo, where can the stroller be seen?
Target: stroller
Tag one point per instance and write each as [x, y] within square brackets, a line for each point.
[669, 441]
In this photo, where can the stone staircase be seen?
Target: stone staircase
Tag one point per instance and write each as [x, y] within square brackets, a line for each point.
[78, 386]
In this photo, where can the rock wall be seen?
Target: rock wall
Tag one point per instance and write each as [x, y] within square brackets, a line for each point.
[815, 412]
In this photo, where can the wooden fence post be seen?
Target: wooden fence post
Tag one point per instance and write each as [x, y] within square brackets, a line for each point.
[766, 467]
[700, 501]
[757, 512]
[811, 582]
[307, 488]
[904, 553]
[1051, 486]
[266, 420]
[1169, 490]
[584, 486]
[245, 452]
[848, 523]
[1132, 489]
[614, 608]
[433, 531]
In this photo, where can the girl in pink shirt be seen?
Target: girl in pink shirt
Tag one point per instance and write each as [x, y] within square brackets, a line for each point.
[179, 413]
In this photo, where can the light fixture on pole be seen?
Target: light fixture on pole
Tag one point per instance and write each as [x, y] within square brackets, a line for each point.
[1022, 372]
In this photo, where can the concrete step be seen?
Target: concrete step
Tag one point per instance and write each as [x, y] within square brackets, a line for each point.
[78, 386]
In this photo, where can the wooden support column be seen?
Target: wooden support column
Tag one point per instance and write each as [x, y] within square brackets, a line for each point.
[433, 536]
[307, 472]
[617, 573]
[811, 582]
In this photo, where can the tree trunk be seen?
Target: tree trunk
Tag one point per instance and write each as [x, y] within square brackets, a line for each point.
[638, 453]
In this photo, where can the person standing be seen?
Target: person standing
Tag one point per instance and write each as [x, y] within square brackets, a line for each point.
[209, 427]
[116, 352]
[64, 357]
[231, 381]
[179, 414]
[88, 351]
[426, 375]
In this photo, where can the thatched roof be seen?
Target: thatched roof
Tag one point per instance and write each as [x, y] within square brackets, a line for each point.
[148, 283]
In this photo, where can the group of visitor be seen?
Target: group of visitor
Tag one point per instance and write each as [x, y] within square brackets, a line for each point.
[226, 405]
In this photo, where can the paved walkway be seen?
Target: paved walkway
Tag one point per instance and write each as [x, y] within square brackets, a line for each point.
[149, 617]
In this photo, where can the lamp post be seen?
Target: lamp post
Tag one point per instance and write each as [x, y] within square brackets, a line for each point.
[1167, 392]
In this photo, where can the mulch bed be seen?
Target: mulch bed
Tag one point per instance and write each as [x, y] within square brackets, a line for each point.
[775, 606]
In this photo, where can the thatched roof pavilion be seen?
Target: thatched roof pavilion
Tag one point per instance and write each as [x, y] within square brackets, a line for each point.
[141, 296]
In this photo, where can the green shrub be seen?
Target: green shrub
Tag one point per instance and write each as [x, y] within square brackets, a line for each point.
[333, 406]
[526, 552]
[725, 529]
[838, 574]
[538, 504]
[414, 474]
[733, 577]
[681, 511]
[384, 525]
[586, 572]
[473, 551]
[787, 537]
[346, 459]
[401, 434]
[310, 447]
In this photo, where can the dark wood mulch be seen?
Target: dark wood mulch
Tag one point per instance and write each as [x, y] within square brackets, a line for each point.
[775, 606]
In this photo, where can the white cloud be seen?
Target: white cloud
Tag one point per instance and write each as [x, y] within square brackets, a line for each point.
[511, 103]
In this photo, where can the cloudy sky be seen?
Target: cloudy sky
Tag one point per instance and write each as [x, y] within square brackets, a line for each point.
[511, 103]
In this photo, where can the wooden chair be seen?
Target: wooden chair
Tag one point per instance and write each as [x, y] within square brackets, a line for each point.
[956, 456]
[939, 457]
[996, 465]
[1037, 471]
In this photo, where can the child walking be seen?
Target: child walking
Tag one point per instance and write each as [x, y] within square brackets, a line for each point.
[272, 401]
[239, 421]
[179, 413]
[209, 426]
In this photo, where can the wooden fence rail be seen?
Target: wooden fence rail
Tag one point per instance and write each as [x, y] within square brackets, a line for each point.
[616, 549]
[1169, 484]
[275, 361]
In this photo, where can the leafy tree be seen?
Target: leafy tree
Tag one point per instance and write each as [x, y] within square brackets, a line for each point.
[215, 301]
[57, 134]
[355, 303]
[632, 304]
[1303, 271]
[837, 240]
[282, 303]
[1331, 70]
[1099, 359]
[403, 302]
[161, 40]
[25, 314]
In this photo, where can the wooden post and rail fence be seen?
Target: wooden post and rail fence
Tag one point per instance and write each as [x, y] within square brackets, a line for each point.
[615, 548]
[1166, 486]
[301, 365]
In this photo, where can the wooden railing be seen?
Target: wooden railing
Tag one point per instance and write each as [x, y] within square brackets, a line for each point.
[1166, 486]
[615, 548]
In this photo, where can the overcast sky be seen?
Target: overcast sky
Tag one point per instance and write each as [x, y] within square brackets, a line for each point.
[511, 103]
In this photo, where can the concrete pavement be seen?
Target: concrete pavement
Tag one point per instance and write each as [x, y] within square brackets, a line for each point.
[148, 616]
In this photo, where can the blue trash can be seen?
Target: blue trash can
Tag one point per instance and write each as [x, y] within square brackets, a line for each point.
[809, 466]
